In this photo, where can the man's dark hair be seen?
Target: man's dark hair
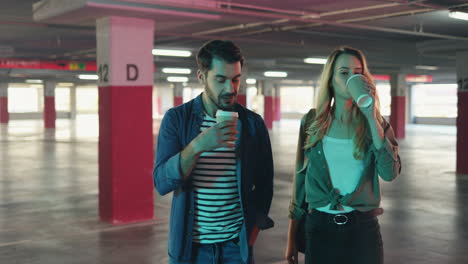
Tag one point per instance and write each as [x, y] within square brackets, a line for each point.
[224, 50]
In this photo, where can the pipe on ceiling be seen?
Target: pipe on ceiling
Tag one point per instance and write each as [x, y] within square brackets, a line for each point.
[285, 20]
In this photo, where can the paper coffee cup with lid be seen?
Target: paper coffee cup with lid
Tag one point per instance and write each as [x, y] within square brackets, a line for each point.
[222, 116]
[356, 85]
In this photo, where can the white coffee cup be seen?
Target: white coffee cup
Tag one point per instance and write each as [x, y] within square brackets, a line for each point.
[222, 116]
[356, 85]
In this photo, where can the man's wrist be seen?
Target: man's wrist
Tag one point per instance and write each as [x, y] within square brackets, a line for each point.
[196, 147]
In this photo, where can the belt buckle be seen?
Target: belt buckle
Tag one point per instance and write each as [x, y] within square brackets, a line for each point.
[337, 217]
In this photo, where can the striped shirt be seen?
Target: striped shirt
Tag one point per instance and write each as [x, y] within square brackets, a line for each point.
[218, 214]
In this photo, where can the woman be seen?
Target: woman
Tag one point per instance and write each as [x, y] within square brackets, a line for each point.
[342, 151]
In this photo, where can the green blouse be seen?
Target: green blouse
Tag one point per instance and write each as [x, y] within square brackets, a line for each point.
[312, 186]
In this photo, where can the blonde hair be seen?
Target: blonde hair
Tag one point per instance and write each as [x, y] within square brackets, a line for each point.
[325, 108]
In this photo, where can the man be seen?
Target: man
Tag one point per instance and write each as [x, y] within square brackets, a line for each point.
[221, 174]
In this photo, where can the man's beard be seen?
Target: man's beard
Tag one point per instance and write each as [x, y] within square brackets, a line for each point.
[218, 101]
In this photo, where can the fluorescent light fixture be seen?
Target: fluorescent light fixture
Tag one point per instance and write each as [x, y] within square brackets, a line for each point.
[33, 81]
[275, 74]
[88, 77]
[315, 61]
[425, 67]
[177, 70]
[293, 81]
[251, 81]
[458, 15]
[177, 79]
[174, 53]
[67, 84]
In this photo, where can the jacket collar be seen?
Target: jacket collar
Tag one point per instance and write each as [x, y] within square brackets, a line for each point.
[198, 105]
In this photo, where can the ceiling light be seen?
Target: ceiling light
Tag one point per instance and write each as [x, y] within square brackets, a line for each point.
[293, 81]
[88, 77]
[175, 53]
[251, 81]
[275, 74]
[177, 70]
[33, 81]
[315, 61]
[458, 15]
[426, 67]
[177, 79]
[67, 84]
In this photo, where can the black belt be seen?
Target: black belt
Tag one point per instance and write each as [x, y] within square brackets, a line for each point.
[344, 218]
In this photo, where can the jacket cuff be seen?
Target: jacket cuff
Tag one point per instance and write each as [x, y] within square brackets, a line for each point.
[263, 221]
[173, 168]
[387, 151]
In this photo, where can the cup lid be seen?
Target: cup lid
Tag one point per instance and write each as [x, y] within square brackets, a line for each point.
[226, 113]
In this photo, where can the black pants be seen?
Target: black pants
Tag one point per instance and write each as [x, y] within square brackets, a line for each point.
[350, 239]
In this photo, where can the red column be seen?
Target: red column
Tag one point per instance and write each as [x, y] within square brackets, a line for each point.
[242, 100]
[157, 100]
[241, 96]
[125, 119]
[398, 104]
[4, 114]
[277, 99]
[178, 100]
[50, 114]
[462, 131]
[269, 114]
[157, 103]
[462, 115]
[178, 89]
[269, 104]
[398, 115]
[278, 108]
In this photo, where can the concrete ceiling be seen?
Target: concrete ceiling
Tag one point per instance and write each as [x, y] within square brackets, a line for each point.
[396, 35]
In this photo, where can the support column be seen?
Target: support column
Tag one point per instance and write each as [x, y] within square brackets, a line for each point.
[316, 92]
[242, 95]
[277, 102]
[398, 104]
[462, 117]
[50, 114]
[157, 100]
[125, 69]
[178, 89]
[73, 102]
[4, 114]
[269, 105]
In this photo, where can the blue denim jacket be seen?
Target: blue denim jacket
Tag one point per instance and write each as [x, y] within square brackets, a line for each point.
[179, 127]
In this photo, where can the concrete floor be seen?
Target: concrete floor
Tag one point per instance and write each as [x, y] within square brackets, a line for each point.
[48, 200]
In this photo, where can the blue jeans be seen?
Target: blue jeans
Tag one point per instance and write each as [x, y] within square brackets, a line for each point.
[355, 239]
[218, 253]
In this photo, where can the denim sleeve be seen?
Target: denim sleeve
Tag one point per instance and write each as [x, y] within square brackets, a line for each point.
[387, 159]
[296, 208]
[166, 174]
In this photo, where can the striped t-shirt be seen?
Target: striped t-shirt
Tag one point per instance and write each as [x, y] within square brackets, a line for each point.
[218, 214]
